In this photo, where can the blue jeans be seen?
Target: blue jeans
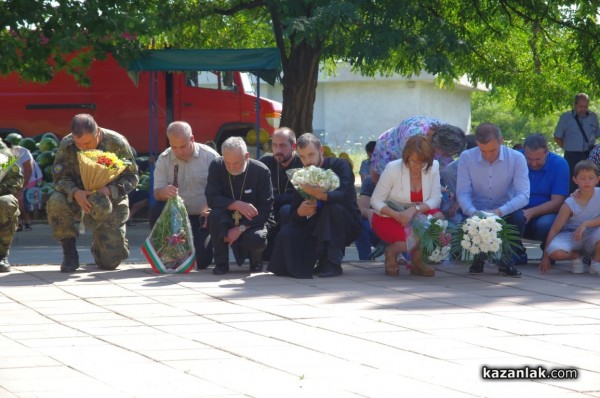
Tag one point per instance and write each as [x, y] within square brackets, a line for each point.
[365, 240]
[538, 228]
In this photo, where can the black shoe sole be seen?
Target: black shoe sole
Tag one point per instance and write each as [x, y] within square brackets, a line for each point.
[220, 271]
[330, 274]
[512, 275]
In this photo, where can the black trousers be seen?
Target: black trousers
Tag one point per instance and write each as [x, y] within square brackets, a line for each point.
[250, 244]
[202, 243]
[572, 159]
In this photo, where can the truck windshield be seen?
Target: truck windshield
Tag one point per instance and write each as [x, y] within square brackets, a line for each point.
[247, 83]
[218, 80]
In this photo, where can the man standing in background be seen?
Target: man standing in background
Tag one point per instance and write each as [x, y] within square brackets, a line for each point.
[576, 132]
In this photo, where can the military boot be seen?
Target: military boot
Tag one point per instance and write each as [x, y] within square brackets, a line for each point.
[4, 265]
[70, 256]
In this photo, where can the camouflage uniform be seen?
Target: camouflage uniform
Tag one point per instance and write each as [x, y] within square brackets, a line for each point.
[9, 205]
[109, 243]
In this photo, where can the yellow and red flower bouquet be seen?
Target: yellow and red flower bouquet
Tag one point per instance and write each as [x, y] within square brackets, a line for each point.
[98, 168]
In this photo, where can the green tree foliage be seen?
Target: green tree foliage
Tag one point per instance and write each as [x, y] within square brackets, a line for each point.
[499, 108]
[40, 37]
[542, 52]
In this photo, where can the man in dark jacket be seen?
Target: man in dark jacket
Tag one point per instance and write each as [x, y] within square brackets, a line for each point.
[322, 226]
[240, 196]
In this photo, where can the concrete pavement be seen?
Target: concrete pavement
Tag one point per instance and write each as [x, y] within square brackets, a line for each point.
[131, 333]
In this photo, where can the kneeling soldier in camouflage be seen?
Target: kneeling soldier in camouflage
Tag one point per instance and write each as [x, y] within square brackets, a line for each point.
[105, 211]
[9, 207]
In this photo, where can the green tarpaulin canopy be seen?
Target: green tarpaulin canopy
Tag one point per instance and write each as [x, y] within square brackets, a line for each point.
[264, 62]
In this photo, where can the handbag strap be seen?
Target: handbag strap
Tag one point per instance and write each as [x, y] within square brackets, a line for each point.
[587, 141]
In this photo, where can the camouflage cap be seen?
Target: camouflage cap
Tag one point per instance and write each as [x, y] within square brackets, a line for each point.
[101, 207]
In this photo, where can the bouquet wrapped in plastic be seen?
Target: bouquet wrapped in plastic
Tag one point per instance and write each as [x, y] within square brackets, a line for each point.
[315, 176]
[435, 240]
[97, 169]
[169, 248]
[487, 234]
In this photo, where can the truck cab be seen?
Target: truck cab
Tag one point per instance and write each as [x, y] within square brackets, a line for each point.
[216, 104]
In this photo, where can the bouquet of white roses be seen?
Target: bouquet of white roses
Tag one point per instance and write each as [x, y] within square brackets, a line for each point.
[7, 162]
[486, 234]
[434, 238]
[315, 176]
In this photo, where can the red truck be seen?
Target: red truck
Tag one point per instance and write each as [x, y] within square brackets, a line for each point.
[216, 104]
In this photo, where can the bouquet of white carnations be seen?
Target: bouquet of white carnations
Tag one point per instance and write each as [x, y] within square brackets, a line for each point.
[7, 162]
[434, 238]
[487, 234]
[315, 176]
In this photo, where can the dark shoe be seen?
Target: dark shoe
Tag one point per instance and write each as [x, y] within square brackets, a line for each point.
[70, 261]
[509, 270]
[201, 267]
[520, 259]
[330, 271]
[586, 260]
[130, 223]
[476, 267]
[256, 261]
[256, 268]
[378, 251]
[27, 227]
[221, 269]
[69, 264]
[318, 268]
[19, 228]
[4, 265]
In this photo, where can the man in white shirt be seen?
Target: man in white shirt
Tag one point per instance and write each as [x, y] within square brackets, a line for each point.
[192, 160]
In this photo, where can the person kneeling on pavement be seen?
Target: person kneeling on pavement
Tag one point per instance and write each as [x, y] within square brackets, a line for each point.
[240, 195]
[10, 185]
[105, 211]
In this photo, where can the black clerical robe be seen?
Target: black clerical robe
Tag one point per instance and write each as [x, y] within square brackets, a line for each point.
[283, 191]
[323, 236]
[222, 189]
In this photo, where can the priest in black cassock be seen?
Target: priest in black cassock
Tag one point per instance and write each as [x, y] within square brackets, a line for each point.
[240, 196]
[283, 158]
[320, 229]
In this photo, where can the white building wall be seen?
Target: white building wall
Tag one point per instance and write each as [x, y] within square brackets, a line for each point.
[351, 109]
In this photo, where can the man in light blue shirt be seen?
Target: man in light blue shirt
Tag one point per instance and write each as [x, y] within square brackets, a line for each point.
[494, 179]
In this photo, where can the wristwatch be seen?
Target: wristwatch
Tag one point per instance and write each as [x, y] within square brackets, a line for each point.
[242, 228]
[418, 208]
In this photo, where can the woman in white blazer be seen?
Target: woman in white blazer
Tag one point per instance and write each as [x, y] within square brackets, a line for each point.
[412, 182]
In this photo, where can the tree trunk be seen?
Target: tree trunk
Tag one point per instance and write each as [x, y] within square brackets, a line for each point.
[300, 75]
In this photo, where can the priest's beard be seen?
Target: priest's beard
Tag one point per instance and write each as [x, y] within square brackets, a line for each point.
[240, 171]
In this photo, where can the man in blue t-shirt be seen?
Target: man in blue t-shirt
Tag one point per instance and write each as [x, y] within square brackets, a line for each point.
[549, 186]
